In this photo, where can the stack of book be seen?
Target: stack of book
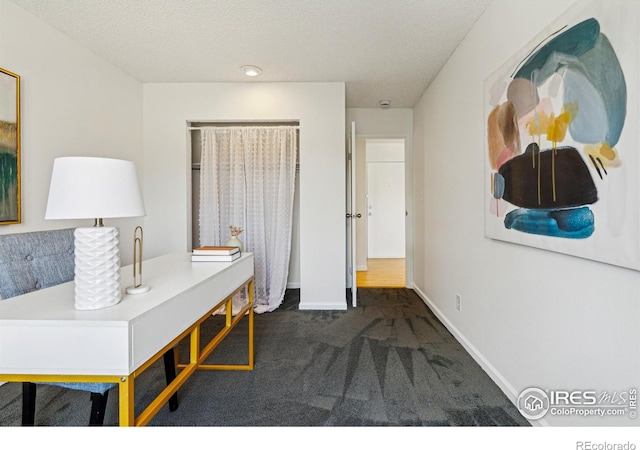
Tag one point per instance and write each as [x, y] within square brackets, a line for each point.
[211, 253]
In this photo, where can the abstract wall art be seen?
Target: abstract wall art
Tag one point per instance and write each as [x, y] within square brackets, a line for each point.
[562, 150]
[9, 147]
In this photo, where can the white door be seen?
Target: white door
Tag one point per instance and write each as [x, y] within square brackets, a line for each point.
[386, 209]
[351, 215]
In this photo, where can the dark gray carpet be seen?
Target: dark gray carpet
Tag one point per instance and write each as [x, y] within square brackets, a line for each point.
[388, 362]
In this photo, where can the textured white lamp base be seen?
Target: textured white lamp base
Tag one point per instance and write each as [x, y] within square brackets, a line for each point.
[97, 271]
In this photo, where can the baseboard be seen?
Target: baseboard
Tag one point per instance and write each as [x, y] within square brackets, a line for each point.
[362, 268]
[323, 306]
[293, 285]
[493, 373]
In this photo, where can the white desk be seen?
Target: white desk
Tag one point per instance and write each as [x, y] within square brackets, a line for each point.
[44, 338]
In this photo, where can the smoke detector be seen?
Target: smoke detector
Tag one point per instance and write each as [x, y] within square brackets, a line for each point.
[384, 104]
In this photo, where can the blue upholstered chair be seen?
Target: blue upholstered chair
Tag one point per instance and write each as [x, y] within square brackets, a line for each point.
[37, 260]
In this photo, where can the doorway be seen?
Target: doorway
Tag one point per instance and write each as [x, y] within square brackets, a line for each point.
[380, 255]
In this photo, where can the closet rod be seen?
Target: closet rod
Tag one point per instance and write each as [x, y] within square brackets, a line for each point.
[197, 166]
[242, 126]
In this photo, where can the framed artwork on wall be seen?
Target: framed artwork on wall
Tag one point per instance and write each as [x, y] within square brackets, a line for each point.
[9, 148]
[562, 159]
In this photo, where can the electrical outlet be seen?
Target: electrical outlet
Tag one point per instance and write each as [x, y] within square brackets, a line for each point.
[458, 302]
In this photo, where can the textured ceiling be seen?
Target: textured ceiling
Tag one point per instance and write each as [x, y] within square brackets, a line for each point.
[381, 49]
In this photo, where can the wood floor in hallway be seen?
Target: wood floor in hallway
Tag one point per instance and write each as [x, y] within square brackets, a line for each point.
[388, 273]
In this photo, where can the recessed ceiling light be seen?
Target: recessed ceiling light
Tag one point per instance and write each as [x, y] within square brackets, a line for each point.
[251, 71]
[384, 104]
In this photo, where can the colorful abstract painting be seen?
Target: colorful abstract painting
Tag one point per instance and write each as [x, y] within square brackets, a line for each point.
[561, 121]
[9, 147]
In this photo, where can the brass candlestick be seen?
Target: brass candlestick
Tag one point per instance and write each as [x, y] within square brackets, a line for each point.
[138, 287]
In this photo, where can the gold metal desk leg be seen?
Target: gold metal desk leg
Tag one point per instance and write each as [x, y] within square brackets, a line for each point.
[126, 402]
[194, 345]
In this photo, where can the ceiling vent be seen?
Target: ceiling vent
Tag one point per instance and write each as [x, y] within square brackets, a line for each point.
[384, 104]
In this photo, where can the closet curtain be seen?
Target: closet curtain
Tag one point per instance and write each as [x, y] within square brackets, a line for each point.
[247, 179]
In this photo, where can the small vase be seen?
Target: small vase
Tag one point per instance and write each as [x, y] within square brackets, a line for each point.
[235, 242]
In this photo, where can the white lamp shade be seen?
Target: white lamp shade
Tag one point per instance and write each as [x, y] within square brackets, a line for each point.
[92, 188]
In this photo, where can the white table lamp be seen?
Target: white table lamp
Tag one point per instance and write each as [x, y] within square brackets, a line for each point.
[95, 188]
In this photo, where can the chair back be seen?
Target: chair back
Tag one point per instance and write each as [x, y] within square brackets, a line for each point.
[35, 260]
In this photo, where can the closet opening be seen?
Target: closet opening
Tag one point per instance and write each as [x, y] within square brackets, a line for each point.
[232, 194]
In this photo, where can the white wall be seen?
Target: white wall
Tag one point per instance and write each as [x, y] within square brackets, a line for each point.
[532, 318]
[381, 123]
[387, 123]
[73, 103]
[320, 109]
